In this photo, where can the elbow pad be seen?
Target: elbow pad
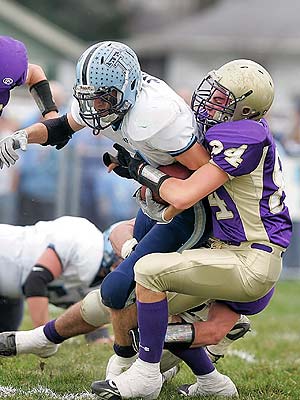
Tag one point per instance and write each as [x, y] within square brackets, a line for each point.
[59, 131]
[37, 281]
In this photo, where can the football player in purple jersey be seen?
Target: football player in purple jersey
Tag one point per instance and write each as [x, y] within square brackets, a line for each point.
[16, 71]
[251, 225]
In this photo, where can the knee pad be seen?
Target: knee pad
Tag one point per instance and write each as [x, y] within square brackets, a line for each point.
[93, 311]
[116, 290]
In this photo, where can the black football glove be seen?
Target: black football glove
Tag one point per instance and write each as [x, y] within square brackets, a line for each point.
[127, 164]
[119, 170]
[62, 144]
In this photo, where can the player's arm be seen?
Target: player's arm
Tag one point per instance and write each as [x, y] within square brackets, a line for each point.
[40, 91]
[183, 194]
[47, 268]
[55, 132]
[194, 157]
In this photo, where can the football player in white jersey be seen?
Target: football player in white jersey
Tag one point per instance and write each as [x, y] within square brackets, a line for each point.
[251, 223]
[146, 116]
[52, 261]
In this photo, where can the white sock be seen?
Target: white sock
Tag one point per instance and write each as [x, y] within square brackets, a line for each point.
[151, 368]
[32, 341]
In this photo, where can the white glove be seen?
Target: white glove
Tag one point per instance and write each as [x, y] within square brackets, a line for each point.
[8, 145]
[151, 208]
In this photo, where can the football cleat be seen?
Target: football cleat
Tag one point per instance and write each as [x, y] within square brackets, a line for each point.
[26, 342]
[106, 390]
[218, 385]
[217, 351]
[138, 381]
[8, 344]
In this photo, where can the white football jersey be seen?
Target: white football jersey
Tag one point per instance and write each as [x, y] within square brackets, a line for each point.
[77, 242]
[159, 126]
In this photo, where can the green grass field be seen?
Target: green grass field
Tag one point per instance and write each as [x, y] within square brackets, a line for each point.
[273, 373]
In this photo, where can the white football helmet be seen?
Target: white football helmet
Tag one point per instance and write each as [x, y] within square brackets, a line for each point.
[240, 89]
[108, 73]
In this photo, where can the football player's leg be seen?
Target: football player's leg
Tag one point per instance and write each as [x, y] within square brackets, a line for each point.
[143, 378]
[118, 287]
[209, 380]
[82, 317]
[209, 270]
[119, 284]
[11, 312]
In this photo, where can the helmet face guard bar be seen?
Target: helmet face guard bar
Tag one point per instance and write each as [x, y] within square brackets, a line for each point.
[111, 99]
[203, 102]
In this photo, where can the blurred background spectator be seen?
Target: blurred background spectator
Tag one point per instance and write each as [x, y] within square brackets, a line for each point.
[38, 172]
[8, 179]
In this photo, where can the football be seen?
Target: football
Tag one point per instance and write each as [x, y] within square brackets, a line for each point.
[175, 170]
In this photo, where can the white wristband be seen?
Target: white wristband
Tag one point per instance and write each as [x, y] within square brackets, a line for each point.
[127, 247]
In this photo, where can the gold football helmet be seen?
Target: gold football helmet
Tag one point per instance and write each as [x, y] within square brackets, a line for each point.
[240, 89]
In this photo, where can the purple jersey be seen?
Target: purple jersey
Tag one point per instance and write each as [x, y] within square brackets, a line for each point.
[250, 205]
[13, 67]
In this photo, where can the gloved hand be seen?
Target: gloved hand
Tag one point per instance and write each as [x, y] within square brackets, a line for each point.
[151, 208]
[126, 163]
[109, 159]
[62, 144]
[8, 145]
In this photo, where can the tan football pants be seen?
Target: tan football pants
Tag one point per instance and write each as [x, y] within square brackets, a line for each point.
[224, 272]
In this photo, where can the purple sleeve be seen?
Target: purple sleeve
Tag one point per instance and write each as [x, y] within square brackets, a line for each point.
[236, 147]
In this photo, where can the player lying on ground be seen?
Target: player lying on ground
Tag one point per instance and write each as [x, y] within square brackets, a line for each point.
[55, 262]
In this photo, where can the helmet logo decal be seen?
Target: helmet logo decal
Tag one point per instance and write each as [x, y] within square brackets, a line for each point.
[115, 59]
[7, 81]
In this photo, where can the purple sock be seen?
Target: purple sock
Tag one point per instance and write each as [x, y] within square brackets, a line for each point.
[196, 359]
[153, 322]
[52, 334]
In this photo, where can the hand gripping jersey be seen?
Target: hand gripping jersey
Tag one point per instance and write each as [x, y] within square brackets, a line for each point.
[77, 242]
[159, 126]
[250, 205]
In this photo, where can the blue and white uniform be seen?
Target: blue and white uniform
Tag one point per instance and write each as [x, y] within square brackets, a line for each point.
[160, 126]
[76, 241]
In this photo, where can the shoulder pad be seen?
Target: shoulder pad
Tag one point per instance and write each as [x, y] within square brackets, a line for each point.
[145, 122]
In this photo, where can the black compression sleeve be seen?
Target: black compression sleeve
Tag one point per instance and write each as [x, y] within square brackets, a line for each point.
[59, 130]
[42, 95]
[37, 281]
